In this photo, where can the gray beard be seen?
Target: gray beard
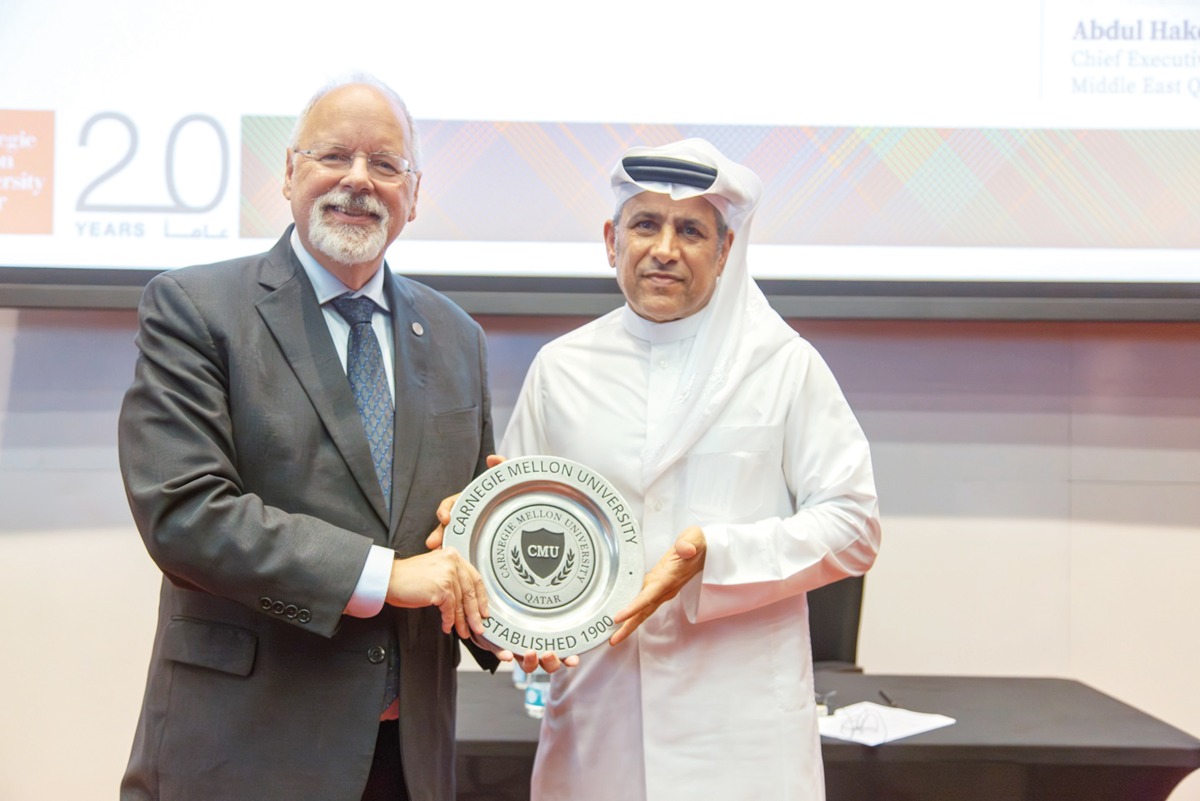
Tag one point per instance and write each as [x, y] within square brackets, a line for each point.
[348, 244]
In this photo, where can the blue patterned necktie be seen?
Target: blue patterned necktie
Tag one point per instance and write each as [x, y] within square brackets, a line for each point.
[368, 380]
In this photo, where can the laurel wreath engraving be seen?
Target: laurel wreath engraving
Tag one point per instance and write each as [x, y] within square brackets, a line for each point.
[518, 563]
[519, 566]
[566, 570]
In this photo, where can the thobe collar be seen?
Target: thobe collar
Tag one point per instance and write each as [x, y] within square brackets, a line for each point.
[662, 333]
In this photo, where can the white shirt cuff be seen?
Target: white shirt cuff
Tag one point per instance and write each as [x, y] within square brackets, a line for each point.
[371, 590]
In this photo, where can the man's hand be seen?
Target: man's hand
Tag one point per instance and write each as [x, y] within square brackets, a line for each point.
[549, 661]
[676, 568]
[434, 540]
[530, 661]
[441, 578]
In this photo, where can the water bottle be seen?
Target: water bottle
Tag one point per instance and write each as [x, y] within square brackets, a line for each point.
[519, 677]
[537, 690]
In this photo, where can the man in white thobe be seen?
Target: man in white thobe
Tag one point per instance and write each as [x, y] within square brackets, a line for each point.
[752, 483]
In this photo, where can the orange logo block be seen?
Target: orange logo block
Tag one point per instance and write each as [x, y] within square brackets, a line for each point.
[26, 172]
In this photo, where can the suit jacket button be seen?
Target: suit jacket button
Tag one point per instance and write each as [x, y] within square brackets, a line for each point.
[376, 653]
[264, 603]
[277, 607]
[290, 611]
[304, 616]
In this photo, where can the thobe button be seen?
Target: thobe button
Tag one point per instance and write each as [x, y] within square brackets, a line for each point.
[376, 654]
[658, 506]
[663, 363]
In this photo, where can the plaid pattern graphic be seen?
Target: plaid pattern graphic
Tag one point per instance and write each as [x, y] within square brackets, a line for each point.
[952, 187]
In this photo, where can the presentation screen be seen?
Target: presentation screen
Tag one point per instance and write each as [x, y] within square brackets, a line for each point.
[933, 140]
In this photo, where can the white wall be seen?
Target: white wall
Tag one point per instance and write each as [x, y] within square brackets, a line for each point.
[77, 590]
[1040, 486]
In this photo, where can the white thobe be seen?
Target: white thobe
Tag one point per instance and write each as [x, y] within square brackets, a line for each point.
[713, 696]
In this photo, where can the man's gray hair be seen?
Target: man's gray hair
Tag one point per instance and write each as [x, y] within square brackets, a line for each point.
[414, 141]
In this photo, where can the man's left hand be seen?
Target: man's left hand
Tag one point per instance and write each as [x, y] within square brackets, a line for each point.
[673, 571]
[532, 660]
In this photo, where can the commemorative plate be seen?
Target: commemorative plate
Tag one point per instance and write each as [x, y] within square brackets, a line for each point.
[558, 549]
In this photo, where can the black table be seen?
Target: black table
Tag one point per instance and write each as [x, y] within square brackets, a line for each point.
[1016, 739]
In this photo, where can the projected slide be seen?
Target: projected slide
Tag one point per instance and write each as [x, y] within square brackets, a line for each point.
[1038, 140]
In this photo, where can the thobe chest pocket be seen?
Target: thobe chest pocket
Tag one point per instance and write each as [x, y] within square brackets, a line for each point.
[730, 470]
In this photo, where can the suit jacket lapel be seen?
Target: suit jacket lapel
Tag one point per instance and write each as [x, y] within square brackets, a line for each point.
[291, 312]
[411, 336]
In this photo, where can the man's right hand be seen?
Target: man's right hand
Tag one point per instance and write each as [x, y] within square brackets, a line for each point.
[441, 578]
[532, 660]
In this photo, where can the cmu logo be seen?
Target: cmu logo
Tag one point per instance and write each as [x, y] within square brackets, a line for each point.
[543, 550]
[543, 556]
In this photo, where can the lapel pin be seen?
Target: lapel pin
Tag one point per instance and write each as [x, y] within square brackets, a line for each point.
[418, 329]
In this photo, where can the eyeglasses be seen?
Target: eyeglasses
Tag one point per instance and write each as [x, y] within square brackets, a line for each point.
[387, 167]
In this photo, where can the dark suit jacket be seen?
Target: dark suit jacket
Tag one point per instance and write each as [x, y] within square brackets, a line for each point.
[251, 482]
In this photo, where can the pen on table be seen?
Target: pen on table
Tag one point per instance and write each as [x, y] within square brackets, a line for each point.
[886, 698]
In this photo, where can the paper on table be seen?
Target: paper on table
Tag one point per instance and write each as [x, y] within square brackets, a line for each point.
[871, 724]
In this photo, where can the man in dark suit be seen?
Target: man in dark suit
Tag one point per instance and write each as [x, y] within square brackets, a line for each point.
[307, 638]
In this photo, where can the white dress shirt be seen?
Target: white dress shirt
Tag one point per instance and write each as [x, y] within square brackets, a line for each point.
[371, 591]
